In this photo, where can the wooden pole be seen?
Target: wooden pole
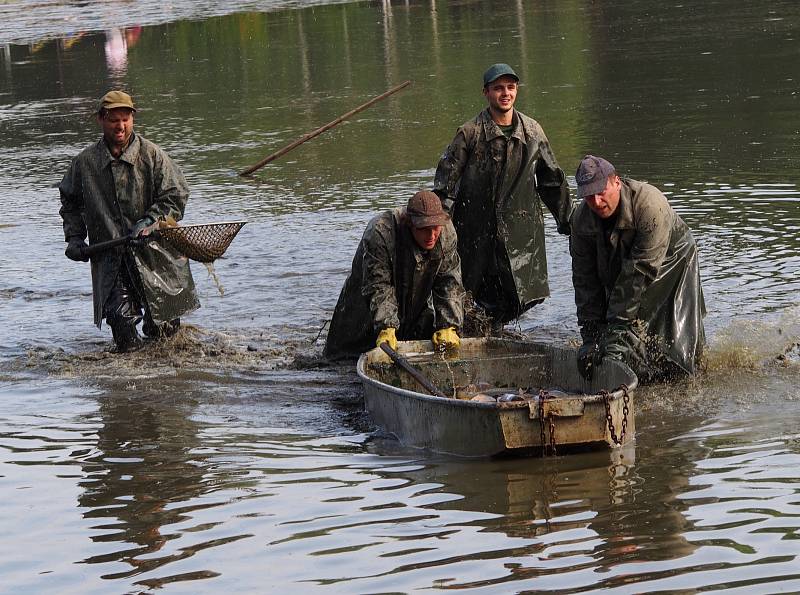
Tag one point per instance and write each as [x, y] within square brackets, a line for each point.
[415, 374]
[318, 131]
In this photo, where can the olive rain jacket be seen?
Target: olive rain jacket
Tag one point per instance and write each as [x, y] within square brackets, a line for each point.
[393, 283]
[491, 186]
[106, 197]
[646, 270]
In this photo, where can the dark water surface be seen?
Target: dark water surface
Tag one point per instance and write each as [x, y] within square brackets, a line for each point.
[232, 459]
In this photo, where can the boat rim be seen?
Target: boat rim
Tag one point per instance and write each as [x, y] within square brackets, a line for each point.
[617, 393]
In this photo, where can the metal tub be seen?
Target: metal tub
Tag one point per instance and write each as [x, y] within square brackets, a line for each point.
[575, 416]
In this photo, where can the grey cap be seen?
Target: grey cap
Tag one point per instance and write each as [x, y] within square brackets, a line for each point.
[495, 71]
[592, 175]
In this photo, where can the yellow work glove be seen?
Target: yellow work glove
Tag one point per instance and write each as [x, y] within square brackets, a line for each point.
[387, 336]
[446, 339]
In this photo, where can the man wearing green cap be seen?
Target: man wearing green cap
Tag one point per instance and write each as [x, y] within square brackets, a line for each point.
[491, 179]
[123, 185]
[405, 283]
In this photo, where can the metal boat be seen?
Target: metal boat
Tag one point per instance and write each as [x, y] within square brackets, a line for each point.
[500, 396]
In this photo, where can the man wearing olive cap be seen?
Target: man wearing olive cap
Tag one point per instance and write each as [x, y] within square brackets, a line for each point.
[404, 284]
[123, 185]
[636, 275]
[491, 179]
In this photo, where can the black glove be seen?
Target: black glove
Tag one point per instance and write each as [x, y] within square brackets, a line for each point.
[592, 330]
[613, 343]
[141, 225]
[588, 358]
[76, 250]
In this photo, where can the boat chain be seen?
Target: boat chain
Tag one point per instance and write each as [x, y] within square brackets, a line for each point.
[544, 395]
[609, 421]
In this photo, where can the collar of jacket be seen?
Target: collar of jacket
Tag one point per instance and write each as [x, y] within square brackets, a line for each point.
[625, 217]
[491, 130]
[129, 155]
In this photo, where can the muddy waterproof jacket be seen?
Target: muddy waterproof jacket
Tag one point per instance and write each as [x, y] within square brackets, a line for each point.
[491, 186]
[104, 197]
[394, 283]
[646, 269]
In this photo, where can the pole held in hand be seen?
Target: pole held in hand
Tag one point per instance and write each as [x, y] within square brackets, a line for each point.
[318, 131]
[95, 249]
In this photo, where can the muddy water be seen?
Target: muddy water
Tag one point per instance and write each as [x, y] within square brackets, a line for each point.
[232, 458]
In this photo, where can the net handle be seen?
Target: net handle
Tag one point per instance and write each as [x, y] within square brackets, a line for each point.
[206, 224]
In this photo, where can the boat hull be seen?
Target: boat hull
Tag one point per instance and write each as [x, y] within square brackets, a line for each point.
[572, 417]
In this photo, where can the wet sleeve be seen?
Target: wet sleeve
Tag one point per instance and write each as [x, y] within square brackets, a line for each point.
[71, 191]
[552, 187]
[170, 192]
[640, 268]
[451, 166]
[377, 282]
[590, 298]
[448, 290]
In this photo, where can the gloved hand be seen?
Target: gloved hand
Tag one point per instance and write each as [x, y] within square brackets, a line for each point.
[141, 226]
[613, 342]
[588, 357]
[75, 249]
[446, 339]
[592, 330]
[387, 336]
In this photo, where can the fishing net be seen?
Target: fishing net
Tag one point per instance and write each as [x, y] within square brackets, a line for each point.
[203, 242]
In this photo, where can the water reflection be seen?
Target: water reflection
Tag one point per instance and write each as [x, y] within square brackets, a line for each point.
[743, 506]
[118, 42]
[144, 483]
[572, 515]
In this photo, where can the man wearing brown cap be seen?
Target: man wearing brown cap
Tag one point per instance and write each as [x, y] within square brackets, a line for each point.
[491, 179]
[123, 185]
[636, 275]
[405, 283]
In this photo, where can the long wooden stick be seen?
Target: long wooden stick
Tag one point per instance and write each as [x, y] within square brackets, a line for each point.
[318, 131]
[415, 374]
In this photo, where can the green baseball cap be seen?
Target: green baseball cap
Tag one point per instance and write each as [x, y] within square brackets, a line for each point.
[495, 71]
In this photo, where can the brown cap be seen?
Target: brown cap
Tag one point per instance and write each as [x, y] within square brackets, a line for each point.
[425, 210]
[114, 99]
[592, 175]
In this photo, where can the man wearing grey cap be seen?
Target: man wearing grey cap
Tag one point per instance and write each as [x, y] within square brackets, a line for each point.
[491, 179]
[123, 185]
[405, 283]
[636, 276]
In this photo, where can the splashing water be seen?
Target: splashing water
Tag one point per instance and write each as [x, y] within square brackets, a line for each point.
[752, 344]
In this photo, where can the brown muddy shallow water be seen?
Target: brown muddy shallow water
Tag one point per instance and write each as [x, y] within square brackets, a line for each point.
[231, 458]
